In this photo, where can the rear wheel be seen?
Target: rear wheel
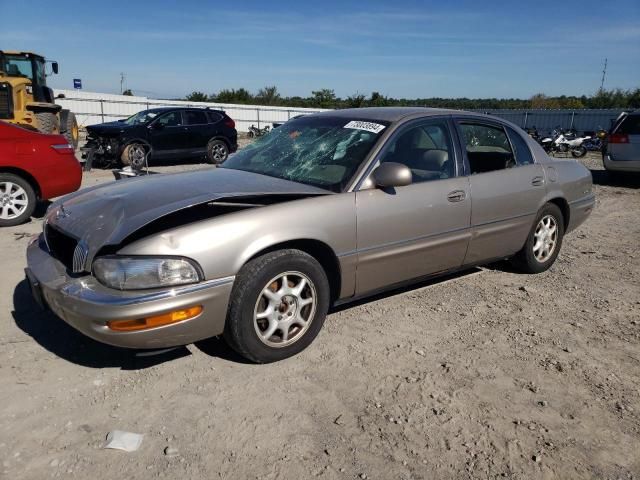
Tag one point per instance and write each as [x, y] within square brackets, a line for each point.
[71, 132]
[278, 306]
[48, 122]
[543, 243]
[17, 200]
[217, 151]
[579, 152]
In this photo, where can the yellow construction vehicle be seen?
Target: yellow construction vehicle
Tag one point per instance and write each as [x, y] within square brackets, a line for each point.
[25, 98]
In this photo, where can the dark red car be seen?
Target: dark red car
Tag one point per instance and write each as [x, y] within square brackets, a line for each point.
[33, 167]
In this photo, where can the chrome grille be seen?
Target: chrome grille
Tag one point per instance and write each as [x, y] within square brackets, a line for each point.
[65, 248]
[6, 103]
[79, 257]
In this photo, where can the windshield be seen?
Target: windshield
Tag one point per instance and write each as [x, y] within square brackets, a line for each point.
[144, 116]
[321, 151]
[17, 66]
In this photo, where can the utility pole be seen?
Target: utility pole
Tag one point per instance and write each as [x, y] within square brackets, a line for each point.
[122, 83]
[604, 73]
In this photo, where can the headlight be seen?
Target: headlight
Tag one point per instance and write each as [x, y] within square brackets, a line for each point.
[137, 273]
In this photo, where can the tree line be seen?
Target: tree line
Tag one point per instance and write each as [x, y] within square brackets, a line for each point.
[326, 98]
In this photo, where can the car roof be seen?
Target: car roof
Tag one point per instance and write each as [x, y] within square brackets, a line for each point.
[394, 114]
[186, 107]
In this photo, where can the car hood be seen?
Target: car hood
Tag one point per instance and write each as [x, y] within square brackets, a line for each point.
[107, 214]
[109, 128]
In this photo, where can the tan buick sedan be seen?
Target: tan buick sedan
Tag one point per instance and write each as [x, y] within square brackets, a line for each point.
[325, 209]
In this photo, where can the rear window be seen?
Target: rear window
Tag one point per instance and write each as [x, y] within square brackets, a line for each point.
[630, 125]
[214, 117]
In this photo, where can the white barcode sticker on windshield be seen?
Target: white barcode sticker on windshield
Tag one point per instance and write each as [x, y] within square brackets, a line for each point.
[368, 126]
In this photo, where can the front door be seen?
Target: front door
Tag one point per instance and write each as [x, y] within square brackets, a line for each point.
[420, 229]
[507, 188]
[167, 134]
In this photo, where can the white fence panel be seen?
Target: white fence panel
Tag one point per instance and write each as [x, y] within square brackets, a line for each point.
[92, 107]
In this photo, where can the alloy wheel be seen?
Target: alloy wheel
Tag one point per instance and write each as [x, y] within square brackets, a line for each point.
[219, 152]
[545, 238]
[13, 200]
[137, 155]
[285, 309]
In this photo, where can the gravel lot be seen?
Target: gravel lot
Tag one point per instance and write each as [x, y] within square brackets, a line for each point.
[488, 374]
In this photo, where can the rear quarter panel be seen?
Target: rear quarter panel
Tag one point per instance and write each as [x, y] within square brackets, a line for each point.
[55, 174]
[571, 181]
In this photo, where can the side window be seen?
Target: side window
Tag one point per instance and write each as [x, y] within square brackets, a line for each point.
[195, 117]
[426, 149]
[523, 154]
[487, 147]
[171, 119]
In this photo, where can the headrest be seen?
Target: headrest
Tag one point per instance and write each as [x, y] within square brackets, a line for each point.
[434, 159]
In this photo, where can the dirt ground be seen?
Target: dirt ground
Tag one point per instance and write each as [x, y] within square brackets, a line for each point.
[489, 374]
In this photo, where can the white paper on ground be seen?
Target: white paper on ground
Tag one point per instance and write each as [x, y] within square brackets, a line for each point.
[120, 440]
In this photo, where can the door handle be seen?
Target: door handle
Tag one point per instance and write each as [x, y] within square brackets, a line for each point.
[456, 196]
[537, 181]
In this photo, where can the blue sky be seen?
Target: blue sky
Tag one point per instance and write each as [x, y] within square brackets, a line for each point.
[401, 49]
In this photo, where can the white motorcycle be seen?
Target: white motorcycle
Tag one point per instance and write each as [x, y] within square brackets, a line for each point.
[564, 142]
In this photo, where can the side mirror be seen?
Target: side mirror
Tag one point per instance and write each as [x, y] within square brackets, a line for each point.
[392, 174]
[54, 67]
[122, 120]
[156, 126]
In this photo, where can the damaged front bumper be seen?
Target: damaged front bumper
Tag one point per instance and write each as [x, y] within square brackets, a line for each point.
[87, 305]
[101, 151]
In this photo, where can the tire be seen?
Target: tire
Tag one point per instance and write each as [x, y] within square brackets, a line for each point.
[527, 260]
[71, 129]
[48, 122]
[251, 336]
[579, 152]
[134, 154]
[17, 200]
[217, 151]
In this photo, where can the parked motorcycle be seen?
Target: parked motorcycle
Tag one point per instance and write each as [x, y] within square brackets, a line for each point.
[563, 142]
[258, 132]
[593, 144]
[596, 143]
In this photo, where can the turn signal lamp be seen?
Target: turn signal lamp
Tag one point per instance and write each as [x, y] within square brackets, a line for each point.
[155, 321]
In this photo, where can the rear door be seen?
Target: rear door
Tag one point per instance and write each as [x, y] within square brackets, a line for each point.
[507, 188]
[197, 126]
[419, 229]
[624, 143]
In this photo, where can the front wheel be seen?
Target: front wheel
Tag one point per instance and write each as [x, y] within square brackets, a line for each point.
[544, 241]
[17, 200]
[47, 122]
[134, 155]
[278, 306]
[578, 152]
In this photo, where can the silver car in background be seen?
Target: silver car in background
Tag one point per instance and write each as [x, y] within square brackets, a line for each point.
[325, 209]
[622, 150]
